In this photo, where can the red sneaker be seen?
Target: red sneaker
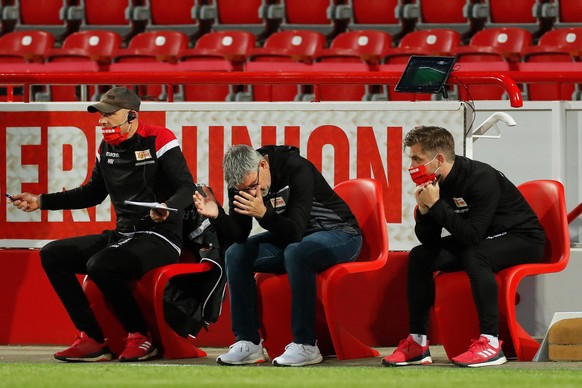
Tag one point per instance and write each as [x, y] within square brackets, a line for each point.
[481, 353]
[138, 347]
[85, 349]
[408, 352]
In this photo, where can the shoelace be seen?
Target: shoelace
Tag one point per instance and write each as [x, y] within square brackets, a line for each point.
[135, 340]
[478, 344]
[241, 346]
[404, 344]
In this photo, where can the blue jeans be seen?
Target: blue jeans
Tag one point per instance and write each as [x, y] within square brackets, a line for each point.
[301, 261]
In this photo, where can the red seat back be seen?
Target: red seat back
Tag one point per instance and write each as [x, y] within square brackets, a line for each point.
[25, 46]
[505, 39]
[229, 43]
[306, 12]
[163, 46]
[46, 12]
[115, 12]
[570, 11]
[232, 11]
[374, 11]
[431, 42]
[95, 44]
[295, 43]
[179, 13]
[364, 197]
[364, 42]
[546, 198]
[510, 12]
[442, 12]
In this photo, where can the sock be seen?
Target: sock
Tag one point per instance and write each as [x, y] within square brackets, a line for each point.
[493, 340]
[419, 339]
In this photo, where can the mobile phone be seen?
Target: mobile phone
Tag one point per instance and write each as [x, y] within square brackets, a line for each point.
[9, 197]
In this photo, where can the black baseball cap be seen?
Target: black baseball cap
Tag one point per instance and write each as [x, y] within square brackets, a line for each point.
[116, 99]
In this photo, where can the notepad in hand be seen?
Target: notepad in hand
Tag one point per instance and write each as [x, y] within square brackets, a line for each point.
[151, 205]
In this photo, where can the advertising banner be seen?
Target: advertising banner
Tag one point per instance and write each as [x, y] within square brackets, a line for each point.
[49, 147]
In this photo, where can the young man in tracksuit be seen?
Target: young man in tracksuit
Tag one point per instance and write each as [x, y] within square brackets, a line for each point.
[135, 162]
[491, 227]
[309, 228]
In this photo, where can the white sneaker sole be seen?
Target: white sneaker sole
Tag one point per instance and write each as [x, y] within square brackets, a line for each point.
[424, 361]
[250, 360]
[100, 358]
[500, 361]
[152, 354]
[316, 360]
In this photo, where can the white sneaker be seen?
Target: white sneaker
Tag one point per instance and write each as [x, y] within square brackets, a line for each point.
[299, 355]
[241, 353]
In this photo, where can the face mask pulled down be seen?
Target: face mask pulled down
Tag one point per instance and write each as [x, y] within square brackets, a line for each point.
[420, 175]
[113, 135]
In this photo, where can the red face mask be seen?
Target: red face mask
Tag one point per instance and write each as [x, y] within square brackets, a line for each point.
[419, 174]
[113, 135]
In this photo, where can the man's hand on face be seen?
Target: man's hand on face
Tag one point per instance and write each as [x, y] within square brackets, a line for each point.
[249, 204]
[426, 195]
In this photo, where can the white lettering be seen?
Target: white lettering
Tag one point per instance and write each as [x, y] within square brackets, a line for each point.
[17, 172]
[58, 177]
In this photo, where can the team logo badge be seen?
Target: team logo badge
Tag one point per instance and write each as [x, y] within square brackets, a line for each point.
[143, 155]
[460, 202]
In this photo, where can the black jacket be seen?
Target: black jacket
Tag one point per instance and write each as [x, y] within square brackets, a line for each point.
[300, 202]
[194, 301]
[148, 167]
[476, 202]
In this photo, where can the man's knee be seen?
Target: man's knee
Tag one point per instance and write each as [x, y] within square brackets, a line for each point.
[235, 255]
[420, 256]
[49, 257]
[473, 260]
[296, 258]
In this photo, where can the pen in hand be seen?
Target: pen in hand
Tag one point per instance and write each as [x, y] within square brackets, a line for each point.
[9, 197]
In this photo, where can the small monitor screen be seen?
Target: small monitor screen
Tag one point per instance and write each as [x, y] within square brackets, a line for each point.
[425, 74]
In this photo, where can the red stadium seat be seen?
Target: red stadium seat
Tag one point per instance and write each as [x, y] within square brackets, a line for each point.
[46, 15]
[23, 51]
[255, 16]
[215, 51]
[493, 49]
[97, 46]
[289, 46]
[149, 293]
[495, 44]
[126, 17]
[150, 51]
[25, 46]
[454, 309]
[568, 13]
[79, 49]
[284, 51]
[459, 15]
[152, 46]
[379, 15]
[555, 47]
[527, 14]
[425, 42]
[351, 51]
[180, 16]
[439, 42]
[323, 16]
[341, 289]
[357, 46]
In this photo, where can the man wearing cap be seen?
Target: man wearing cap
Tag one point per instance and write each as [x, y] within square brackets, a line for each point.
[136, 162]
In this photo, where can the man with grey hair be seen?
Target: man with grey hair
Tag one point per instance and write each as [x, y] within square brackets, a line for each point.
[308, 227]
